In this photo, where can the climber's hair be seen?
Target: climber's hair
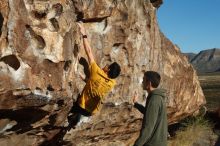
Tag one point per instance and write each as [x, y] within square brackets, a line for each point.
[114, 70]
[153, 77]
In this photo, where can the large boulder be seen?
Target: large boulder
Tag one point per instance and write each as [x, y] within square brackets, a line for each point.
[41, 57]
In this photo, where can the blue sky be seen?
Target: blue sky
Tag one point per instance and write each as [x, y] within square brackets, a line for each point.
[193, 25]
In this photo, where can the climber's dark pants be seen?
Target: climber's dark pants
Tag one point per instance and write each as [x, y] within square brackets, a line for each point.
[78, 111]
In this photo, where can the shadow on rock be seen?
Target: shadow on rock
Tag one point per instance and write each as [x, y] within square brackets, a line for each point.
[218, 142]
[23, 117]
[57, 139]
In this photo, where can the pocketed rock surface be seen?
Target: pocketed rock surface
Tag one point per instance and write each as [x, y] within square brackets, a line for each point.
[41, 57]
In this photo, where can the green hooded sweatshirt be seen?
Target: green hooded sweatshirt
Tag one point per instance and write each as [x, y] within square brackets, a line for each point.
[154, 125]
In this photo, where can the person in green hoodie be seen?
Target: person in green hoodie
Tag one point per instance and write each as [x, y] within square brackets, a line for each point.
[154, 125]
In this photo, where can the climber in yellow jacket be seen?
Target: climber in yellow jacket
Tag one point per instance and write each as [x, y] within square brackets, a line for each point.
[99, 83]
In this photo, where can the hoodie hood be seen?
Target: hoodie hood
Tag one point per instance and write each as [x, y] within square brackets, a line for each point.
[160, 92]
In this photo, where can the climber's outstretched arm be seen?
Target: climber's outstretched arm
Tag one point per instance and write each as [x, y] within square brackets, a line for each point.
[86, 43]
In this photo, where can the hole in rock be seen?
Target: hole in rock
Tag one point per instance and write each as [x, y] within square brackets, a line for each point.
[94, 20]
[37, 38]
[1, 23]
[156, 3]
[76, 50]
[60, 102]
[38, 88]
[12, 61]
[39, 15]
[50, 88]
[58, 8]
[117, 44]
[79, 16]
[67, 65]
[55, 23]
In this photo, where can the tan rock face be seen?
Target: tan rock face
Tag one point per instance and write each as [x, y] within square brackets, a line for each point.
[41, 56]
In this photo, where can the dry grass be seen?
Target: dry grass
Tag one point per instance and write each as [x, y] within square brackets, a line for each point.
[195, 132]
[210, 83]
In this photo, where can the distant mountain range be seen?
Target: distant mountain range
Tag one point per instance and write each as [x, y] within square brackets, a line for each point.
[206, 60]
